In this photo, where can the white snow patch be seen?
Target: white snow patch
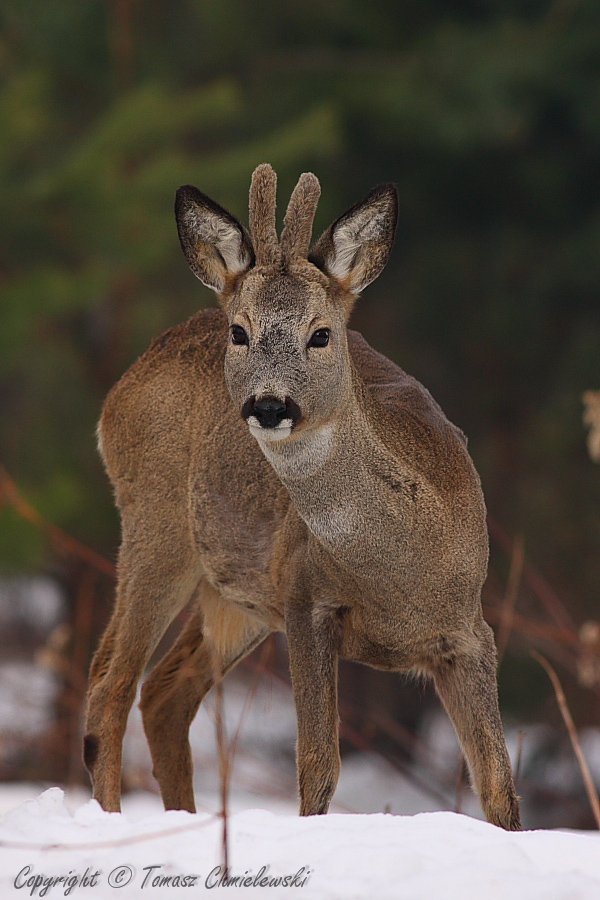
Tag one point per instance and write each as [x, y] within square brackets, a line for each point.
[31, 602]
[337, 856]
[27, 694]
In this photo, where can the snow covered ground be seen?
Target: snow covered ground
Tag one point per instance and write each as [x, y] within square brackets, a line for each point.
[147, 852]
[417, 852]
[358, 851]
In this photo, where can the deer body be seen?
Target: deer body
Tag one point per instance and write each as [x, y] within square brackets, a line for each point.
[273, 468]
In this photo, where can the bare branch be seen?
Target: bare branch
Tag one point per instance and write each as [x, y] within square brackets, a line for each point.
[568, 719]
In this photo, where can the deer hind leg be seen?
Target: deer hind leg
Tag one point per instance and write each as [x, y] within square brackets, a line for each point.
[175, 689]
[152, 589]
[466, 683]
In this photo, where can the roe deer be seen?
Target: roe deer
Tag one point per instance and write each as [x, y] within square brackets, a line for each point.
[280, 474]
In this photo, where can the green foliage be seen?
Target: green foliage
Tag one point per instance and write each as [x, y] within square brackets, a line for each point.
[487, 115]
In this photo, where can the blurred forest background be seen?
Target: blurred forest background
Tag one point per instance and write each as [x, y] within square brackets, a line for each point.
[486, 113]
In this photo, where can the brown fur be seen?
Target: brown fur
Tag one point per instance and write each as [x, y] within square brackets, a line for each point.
[298, 222]
[358, 527]
[262, 216]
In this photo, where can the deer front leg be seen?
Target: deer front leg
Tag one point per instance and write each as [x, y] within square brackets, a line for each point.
[313, 640]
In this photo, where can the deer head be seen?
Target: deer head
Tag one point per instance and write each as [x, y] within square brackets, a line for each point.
[287, 365]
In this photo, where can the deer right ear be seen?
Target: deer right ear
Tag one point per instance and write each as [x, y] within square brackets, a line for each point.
[356, 247]
[216, 246]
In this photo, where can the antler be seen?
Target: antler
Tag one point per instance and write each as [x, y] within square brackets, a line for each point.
[263, 195]
[298, 221]
[299, 217]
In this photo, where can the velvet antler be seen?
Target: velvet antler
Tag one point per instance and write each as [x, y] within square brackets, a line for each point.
[299, 217]
[263, 195]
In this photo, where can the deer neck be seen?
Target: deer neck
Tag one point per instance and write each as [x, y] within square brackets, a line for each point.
[316, 452]
[329, 471]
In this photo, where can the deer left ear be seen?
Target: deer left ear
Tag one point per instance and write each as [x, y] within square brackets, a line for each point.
[216, 246]
[357, 246]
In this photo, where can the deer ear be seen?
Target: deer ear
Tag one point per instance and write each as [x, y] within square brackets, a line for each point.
[216, 246]
[356, 247]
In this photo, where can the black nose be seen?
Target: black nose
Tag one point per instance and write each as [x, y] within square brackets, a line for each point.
[269, 411]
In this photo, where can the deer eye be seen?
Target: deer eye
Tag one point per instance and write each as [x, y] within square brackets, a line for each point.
[320, 338]
[238, 335]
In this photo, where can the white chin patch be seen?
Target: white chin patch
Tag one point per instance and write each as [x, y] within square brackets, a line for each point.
[281, 431]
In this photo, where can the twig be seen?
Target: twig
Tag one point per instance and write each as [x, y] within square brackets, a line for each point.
[359, 742]
[520, 742]
[102, 845]
[558, 635]
[10, 494]
[460, 783]
[406, 739]
[510, 597]
[536, 582]
[568, 719]
[81, 639]
[266, 655]
[224, 759]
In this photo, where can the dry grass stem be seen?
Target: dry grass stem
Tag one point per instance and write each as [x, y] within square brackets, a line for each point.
[536, 582]
[107, 845]
[224, 758]
[79, 662]
[64, 543]
[591, 417]
[261, 666]
[558, 636]
[510, 597]
[461, 779]
[520, 742]
[568, 719]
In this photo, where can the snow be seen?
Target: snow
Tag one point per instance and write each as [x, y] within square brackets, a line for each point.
[357, 851]
[32, 603]
[427, 855]
[26, 695]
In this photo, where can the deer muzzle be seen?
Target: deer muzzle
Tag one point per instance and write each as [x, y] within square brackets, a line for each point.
[271, 418]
